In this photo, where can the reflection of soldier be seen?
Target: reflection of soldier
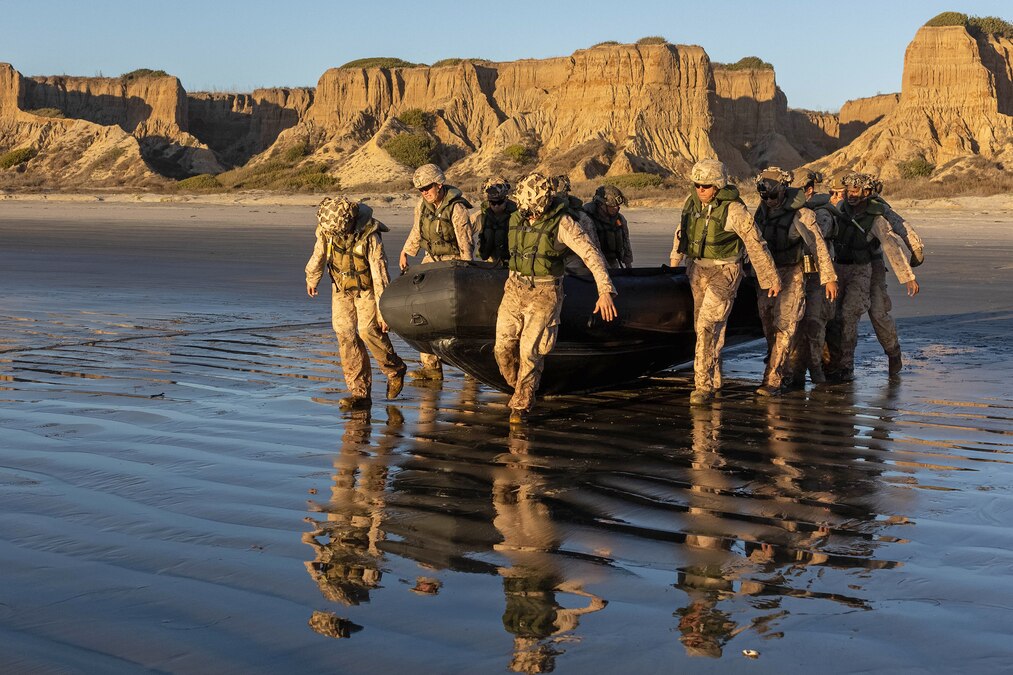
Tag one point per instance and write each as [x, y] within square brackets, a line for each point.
[348, 244]
[879, 300]
[714, 229]
[442, 227]
[530, 584]
[864, 233]
[610, 226]
[528, 317]
[493, 220]
[789, 228]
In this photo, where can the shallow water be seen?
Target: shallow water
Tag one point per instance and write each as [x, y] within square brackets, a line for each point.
[180, 492]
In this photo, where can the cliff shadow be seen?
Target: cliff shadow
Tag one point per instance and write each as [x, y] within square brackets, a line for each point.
[125, 112]
[998, 66]
[236, 136]
[487, 78]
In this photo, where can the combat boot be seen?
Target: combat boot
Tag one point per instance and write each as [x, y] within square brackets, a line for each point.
[896, 363]
[426, 374]
[817, 376]
[518, 416]
[394, 385]
[355, 403]
[700, 396]
[768, 390]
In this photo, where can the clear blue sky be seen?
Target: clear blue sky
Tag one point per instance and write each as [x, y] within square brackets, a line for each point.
[824, 53]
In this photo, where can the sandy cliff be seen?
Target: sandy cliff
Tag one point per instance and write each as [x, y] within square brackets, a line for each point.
[858, 115]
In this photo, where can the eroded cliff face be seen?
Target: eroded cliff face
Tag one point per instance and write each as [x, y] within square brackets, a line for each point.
[152, 109]
[858, 115]
[955, 107]
[238, 126]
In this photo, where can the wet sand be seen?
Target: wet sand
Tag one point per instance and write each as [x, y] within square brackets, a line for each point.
[179, 491]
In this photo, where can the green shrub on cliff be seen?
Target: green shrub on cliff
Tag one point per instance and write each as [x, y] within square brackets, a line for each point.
[415, 118]
[607, 43]
[55, 113]
[519, 154]
[918, 167]
[411, 149]
[652, 40]
[453, 62]
[143, 72]
[15, 157]
[635, 181]
[296, 152]
[976, 25]
[947, 19]
[381, 62]
[205, 182]
[745, 63]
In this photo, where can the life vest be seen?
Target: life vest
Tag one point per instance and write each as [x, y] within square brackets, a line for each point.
[492, 231]
[703, 227]
[533, 244]
[775, 225]
[436, 227]
[610, 234]
[347, 255]
[852, 244]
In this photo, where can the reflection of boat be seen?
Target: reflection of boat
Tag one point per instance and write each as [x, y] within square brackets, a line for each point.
[449, 309]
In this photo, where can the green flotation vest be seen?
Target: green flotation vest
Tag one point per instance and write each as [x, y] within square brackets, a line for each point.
[347, 259]
[851, 244]
[610, 234]
[775, 225]
[532, 244]
[492, 232]
[436, 227]
[703, 227]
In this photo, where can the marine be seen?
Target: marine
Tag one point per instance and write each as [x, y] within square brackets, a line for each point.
[349, 247]
[493, 221]
[527, 322]
[610, 225]
[714, 232]
[442, 228]
[791, 234]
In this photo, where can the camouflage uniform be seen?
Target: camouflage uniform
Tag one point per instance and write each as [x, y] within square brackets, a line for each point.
[347, 231]
[617, 231]
[780, 315]
[426, 175]
[528, 319]
[714, 281]
[491, 227]
[856, 280]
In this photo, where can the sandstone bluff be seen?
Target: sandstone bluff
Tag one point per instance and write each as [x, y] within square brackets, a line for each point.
[606, 111]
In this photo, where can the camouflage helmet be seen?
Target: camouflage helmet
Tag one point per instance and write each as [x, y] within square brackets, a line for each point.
[496, 188]
[609, 195]
[805, 178]
[859, 180]
[427, 174]
[561, 184]
[772, 181]
[337, 214]
[533, 194]
[709, 172]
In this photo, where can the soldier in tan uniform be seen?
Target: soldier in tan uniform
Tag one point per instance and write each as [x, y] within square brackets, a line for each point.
[791, 233]
[528, 319]
[442, 228]
[349, 246]
[863, 234]
[807, 354]
[714, 231]
[493, 220]
[610, 226]
[879, 300]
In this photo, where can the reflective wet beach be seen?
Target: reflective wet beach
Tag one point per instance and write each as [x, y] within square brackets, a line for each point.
[180, 492]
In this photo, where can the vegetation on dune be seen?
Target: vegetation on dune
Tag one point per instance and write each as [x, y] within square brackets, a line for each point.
[296, 152]
[652, 40]
[205, 182]
[745, 63]
[977, 25]
[638, 180]
[411, 149]
[381, 62]
[280, 174]
[48, 112]
[107, 159]
[453, 62]
[143, 72]
[415, 118]
[917, 167]
[15, 157]
[519, 154]
[607, 43]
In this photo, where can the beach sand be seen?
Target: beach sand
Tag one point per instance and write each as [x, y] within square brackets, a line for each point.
[179, 491]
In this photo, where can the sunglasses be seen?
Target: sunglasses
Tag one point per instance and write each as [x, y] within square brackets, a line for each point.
[496, 202]
[701, 186]
[427, 188]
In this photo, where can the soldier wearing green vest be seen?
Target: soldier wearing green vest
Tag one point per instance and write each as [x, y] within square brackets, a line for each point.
[807, 353]
[442, 229]
[561, 187]
[879, 300]
[711, 237]
[540, 232]
[493, 220]
[610, 226]
[864, 234]
[792, 234]
[348, 245]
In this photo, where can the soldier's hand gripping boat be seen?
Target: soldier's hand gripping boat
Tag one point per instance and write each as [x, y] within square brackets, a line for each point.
[449, 309]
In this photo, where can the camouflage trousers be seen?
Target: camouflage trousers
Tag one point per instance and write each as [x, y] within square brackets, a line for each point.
[811, 336]
[526, 329]
[852, 303]
[780, 317]
[432, 361]
[714, 288]
[353, 316]
[879, 310]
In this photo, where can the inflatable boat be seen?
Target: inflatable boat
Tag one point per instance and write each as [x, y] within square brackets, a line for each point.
[449, 309]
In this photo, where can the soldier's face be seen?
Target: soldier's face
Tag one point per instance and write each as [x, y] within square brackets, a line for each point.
[705, 192]
[612, 211]
[856, 196]
[432, 192]
[836, 196]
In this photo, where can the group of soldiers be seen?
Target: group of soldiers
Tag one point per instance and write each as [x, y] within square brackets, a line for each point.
[818, 258]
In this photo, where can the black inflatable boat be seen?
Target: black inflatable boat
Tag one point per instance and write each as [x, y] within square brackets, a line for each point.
[450, 308]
